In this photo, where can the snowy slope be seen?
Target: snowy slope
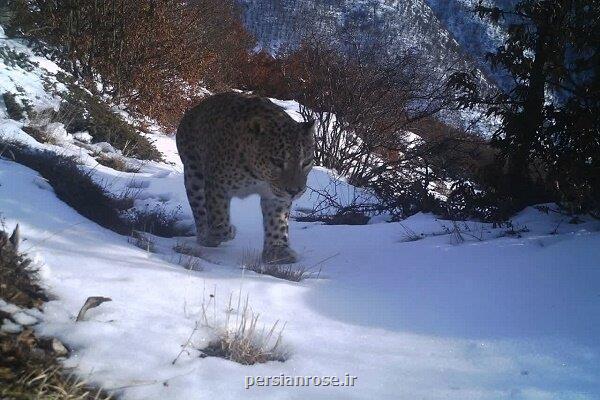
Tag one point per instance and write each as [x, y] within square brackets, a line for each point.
[477, 36]
[421, 319]
[496, 316]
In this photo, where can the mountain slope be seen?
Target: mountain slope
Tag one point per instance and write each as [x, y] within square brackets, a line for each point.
[403, 23]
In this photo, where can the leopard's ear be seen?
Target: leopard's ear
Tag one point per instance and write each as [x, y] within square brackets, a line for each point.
[309, 126]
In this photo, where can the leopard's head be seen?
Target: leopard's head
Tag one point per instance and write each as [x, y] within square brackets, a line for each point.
[286, 157]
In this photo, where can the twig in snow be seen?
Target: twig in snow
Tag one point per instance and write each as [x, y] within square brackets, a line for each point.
[187, 343]
[91, 302]
[555, 230]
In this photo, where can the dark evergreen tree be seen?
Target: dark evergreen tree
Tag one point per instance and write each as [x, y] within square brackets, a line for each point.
[549, 138]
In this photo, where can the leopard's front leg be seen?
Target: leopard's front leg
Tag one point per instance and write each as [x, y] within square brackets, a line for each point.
[276, 249]
[217, 207]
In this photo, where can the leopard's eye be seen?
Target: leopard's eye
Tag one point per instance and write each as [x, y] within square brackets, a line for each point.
[278, 162]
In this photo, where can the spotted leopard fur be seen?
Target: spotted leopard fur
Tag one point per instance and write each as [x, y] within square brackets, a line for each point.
[234, 145]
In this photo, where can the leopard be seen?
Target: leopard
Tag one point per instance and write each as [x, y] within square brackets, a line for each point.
[237, 144]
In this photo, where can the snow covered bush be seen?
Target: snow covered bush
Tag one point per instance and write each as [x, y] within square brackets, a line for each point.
[14, 110]
[72, 185]
[80, 111]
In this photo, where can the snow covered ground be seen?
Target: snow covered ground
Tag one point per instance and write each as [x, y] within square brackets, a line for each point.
[505, 317]
[493, 316]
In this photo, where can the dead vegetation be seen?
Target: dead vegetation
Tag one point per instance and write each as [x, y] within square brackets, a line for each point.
[71, 185]
[81, 111]
[39, 134]
[252, 262]
[157, 220]
[18, 281]
[29, 365]
[141, 51]
[79, 190]
[141, 240]
[237, 336]
[116, 162]
[241, 340]
[410, 235]
[329, 208]
[189, 262]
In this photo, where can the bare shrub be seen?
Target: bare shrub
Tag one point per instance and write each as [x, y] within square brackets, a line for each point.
[142, 50]
[409, 234]
[265, 75]
[460, 230]
[328, 207]
[517, 230]
[378, 122]
[158, 220]
[363, 98]
[72, 185]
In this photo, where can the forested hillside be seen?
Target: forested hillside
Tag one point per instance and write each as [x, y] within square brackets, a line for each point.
[447, 32]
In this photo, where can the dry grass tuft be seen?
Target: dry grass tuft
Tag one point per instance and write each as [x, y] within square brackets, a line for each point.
[39, 134]
[187, 249]
[241, 340]
[49, 383]
[188, 256]
[253, 262]
[19, 281]
[190, 262]
[237, 337]
[115, 162]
